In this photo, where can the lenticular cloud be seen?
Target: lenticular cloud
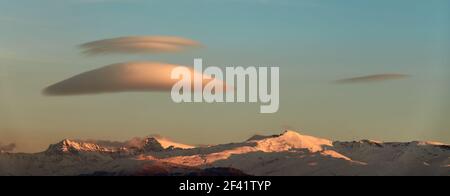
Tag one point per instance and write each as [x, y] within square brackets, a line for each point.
[123, 77]
[139, 45]
[373, 78]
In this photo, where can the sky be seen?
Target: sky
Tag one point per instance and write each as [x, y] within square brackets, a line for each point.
[314, 42]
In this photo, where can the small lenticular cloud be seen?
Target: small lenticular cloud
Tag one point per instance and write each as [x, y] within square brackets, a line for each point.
[7, 148]
[123, 77]
[139, 45]
[373, 78]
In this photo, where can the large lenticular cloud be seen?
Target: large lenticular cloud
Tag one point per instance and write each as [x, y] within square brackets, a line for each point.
[139, 45]
[123, 77]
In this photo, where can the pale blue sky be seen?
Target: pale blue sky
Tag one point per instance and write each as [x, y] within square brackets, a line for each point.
[313, 41]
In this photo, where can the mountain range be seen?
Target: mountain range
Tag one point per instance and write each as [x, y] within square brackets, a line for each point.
[287, 154]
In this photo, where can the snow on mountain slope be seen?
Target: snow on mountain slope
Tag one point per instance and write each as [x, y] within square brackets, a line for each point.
[289, 141]
[289, 153]
[293, 140]
[388, 152]
[136, 145]
[70, 146]
[415, 158]
[300, 163]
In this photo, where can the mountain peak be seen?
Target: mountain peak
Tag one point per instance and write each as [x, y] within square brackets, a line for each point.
[289, 140]
[284, 134]
[290, 133]
[166, 143]
[152, 144]
[148, 144]
[72, 146]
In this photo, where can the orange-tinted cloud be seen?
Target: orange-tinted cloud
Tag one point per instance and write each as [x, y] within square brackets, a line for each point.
[139, 45]
[7, 148]
[373, 78]
[123, 77]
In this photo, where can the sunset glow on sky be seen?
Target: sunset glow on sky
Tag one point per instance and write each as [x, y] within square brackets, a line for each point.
[390, 59]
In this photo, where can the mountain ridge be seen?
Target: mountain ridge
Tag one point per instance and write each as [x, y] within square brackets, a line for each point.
[289, 153]
[151, 143]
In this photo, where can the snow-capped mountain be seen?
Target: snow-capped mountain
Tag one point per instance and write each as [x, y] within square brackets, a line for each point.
[134, 146]
[70, 146]
[289, 153]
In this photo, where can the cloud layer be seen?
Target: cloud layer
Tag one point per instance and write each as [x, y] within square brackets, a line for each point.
[123, 77]
[139, 45]
[7, 148]
[373, 78]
